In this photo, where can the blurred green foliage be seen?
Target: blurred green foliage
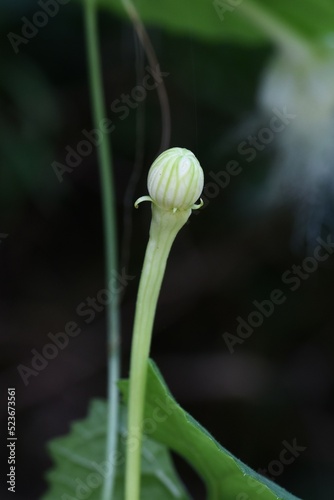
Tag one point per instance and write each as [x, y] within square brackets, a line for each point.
[311, 19]
[227, 257]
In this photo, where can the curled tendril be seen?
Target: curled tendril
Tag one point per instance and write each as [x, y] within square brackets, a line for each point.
[196, 206]
[141, 199]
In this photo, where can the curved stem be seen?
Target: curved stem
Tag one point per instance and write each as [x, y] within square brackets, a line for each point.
[164, 227]
[110, 235]
[153, 60]
[138, 163]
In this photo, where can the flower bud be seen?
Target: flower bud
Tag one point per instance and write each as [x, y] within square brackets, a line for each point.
[175, 180]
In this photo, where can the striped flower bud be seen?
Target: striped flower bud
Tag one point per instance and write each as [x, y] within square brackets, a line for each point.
[175, 180]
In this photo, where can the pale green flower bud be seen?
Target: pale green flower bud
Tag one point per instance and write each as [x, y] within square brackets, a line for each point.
[175, 180]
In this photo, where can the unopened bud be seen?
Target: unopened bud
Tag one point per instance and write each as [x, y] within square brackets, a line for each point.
[175, 180]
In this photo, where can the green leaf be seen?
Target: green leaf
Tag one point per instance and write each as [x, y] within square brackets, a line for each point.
[217, 20]
[195, 17]
[80, 463]
[225, 476]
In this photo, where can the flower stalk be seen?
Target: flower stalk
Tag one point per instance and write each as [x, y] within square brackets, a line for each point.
[110, 239]
[175, 182]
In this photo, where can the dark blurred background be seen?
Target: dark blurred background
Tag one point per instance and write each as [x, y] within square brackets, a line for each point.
[278, 384]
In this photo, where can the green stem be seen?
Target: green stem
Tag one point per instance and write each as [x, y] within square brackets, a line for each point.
[110, 236]
[164, 228]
